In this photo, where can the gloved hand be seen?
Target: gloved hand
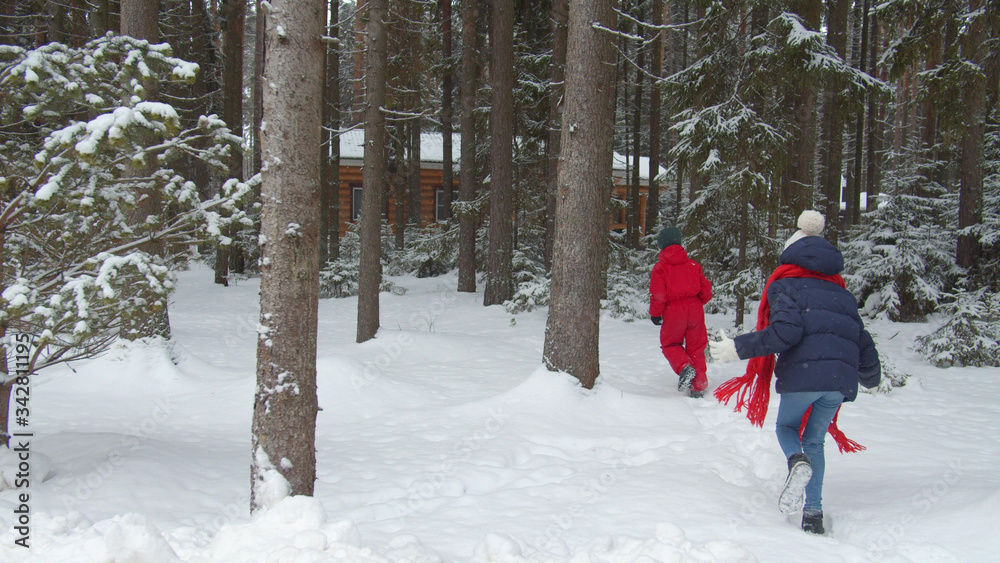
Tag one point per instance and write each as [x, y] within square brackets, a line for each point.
[724, 350]
[656, 320]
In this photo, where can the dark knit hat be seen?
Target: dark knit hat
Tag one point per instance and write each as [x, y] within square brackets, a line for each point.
[668, 236]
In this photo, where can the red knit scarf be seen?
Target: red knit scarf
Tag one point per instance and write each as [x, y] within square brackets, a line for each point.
[753, 389]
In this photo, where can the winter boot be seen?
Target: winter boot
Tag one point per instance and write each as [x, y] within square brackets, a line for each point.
[812, 521]
[793, 496]
[697, 394]
[686, 376]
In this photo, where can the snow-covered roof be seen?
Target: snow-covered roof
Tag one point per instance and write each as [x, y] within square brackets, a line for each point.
[352, 147]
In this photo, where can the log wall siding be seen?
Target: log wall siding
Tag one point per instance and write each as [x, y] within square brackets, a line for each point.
[431, 180]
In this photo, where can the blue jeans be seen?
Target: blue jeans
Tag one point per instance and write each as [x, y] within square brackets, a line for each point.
[790, 411]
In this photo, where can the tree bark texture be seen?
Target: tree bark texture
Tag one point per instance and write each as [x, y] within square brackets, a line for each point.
[373, 182]
[970, 197]
[285, 405]
[557, 73]
[499, 275]
[467, 166]
[875, 125]
[653, 193]
[233, 14]
[802, 149]
[633, 234]
[258, 83]
[852, 212]
[139, 19]
[834, 111]
[330, 240]
[573, 328]
[447, 112]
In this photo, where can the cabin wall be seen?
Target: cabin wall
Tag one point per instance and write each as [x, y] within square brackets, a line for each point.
[431, 180]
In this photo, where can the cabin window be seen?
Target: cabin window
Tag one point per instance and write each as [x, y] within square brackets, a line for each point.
[439, 205]
[355, 202]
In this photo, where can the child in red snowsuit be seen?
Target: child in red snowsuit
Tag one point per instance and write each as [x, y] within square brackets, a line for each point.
[678, 291]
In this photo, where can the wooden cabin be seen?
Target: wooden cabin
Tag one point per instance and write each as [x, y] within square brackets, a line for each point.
[431, 181]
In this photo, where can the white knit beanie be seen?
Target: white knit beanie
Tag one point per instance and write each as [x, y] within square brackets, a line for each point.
[810, 224]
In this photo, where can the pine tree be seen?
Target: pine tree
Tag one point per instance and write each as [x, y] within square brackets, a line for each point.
[573, 326]
[72, 124]
[499, 278]
[285, 402]
[373, 181]
[467, 170]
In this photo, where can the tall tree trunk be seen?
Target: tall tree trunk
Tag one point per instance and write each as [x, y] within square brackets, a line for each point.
[373, 172]
[633, 191]
[802, 149]
[399, 179]
[285, 403]
[358, 103]
[499, 275]
[55, 22]
[928, 119]
[653, 197]
[258, 84]
[467, 179]
[833, 109]
[139, 19]
[557, 73]
[572, 331]
[698, 179]
[875, 126]
[331, 120]
[413, 174]
[741, 260]
[855, 185]
[974, 92]
[233, 15]
[680, 58]
[447, 112]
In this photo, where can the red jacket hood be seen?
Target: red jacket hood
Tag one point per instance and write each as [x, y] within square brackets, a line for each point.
[674, 254]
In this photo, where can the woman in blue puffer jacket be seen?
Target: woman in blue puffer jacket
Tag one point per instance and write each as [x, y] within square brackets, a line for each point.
[811, 322]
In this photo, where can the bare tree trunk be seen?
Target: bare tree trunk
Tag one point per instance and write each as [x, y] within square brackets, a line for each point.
[876, 118]
[413, 175]
[466, 180]
[447, 112]
[139, 19]
[653, 197]
[928, 119]
[360, 64]
[557, 73]
[680, 59]
[258, 84]
[285, 404]
[398, 180]
[572, 332]
[233, 14]
[55, 22]
[331, 120]
[855, 185]
[373, 179]
[499, 275]
[970, 197]
[632, 236]
[833, 109]
[802, 149]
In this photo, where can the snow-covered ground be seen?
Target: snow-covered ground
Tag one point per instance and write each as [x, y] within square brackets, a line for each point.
[444, 440]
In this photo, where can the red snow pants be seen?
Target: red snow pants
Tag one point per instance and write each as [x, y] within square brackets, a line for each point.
[683, 338]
